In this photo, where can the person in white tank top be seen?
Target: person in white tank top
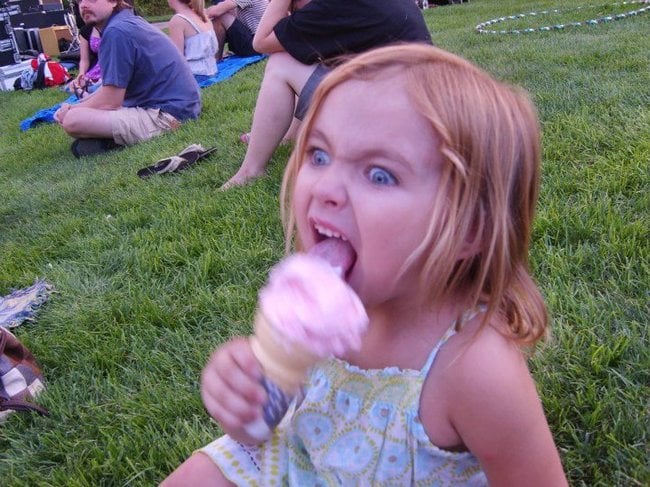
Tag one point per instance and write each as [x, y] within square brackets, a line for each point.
[192, 33]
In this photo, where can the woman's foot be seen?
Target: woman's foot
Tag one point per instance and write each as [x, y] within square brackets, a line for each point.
[245, 139]
[241, 178]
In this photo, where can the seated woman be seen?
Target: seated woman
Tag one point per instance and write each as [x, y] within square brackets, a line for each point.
[193, 35]
[89, 77]
[89, 71]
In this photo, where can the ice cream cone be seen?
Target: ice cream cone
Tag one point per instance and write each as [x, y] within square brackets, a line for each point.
[284, 363]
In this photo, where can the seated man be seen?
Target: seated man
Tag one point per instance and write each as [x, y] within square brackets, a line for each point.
[147, 89]
[235, 22]
[303, 38]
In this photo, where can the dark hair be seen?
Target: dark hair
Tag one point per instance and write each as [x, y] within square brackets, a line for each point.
[123, 5]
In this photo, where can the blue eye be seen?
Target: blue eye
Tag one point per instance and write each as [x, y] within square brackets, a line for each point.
[378, 175]
[319, 157]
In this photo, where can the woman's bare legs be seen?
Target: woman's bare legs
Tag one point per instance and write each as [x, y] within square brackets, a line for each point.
[289, 137]
[220, 25]
[284, 78]
[292, 133]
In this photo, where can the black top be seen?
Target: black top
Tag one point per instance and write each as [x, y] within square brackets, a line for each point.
[325, 29]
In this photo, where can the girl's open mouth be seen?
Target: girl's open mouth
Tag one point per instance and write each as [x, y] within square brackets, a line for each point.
[335, 249]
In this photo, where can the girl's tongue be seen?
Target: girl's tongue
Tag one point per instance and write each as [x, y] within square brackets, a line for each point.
[337, 252]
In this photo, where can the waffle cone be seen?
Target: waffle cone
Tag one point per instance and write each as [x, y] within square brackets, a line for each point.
[283, 362]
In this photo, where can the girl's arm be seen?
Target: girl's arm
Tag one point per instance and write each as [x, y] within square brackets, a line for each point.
[493, 405]
[176, 28]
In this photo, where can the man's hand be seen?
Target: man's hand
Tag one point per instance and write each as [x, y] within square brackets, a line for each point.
[60, 114]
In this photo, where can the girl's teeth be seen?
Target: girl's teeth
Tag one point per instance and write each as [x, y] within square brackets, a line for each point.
[329, 233]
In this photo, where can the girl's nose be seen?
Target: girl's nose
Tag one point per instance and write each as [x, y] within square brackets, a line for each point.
[331, 187]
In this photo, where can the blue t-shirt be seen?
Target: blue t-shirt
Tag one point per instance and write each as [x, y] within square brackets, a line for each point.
[137, 56]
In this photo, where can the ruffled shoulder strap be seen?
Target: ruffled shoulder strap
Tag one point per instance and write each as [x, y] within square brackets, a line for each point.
[451, 331]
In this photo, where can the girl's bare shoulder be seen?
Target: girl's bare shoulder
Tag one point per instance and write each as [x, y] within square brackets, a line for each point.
[477, 375]
[479, 359]
[488, 394]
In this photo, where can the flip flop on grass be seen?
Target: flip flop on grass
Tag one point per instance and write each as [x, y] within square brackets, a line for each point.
[184, 159]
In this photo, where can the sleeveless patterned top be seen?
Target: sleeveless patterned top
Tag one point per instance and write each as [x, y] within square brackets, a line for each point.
[353, 427]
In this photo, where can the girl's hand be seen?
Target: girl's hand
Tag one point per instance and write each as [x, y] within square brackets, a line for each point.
[81, 80]
[231, 388]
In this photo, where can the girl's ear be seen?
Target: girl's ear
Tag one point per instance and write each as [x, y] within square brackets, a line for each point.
[473, 241]
[469, 250]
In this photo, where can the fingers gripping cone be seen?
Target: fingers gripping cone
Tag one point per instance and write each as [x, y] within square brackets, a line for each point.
[306, 313]
[285, 367]
[284, 363]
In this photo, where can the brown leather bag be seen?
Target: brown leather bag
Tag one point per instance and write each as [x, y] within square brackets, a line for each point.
[20, 376]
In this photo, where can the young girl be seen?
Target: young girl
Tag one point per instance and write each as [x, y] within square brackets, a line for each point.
[429, 169]
[192, 33]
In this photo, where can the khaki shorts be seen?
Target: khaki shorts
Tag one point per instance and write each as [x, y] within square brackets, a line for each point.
[131, 125]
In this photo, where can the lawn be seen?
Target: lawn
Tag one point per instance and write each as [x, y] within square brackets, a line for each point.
[151, 275]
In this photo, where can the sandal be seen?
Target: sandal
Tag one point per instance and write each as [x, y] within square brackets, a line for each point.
[183, 160]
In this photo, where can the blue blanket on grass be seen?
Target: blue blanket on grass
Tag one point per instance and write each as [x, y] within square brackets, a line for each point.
[22, 304]
[227, 67]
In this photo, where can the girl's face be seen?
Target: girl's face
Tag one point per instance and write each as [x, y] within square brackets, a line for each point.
[369, 175]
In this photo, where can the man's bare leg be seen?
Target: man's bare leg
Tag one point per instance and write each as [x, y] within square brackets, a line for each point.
[284, 78]
[83, 123]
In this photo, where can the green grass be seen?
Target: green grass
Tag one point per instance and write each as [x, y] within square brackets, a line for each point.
[151, 275]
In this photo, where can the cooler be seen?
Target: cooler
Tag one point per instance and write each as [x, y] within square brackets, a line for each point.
[8, 74]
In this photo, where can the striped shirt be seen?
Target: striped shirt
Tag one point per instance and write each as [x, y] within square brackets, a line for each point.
[249, 12]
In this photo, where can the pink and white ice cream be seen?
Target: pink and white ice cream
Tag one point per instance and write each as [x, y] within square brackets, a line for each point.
[307, 313]
[309, 305]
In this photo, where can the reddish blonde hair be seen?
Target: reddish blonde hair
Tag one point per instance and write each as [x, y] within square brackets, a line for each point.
[198, 7]
[479, 232]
